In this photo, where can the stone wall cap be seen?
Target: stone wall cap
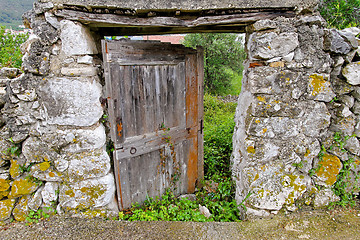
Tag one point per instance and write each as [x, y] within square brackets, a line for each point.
[189, 5]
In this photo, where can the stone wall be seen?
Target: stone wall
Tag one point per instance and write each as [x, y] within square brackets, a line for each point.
[300, 87]
[300, 93]
[52, 143]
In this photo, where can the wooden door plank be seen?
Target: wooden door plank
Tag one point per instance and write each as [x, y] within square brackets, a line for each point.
[192, 118]
[200, 73]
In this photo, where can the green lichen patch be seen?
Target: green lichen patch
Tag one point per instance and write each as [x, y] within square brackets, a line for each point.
[21, 187]
[6, 206]
[329, 168]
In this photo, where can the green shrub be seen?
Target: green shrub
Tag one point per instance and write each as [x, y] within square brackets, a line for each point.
[341, 14]
[223, 57]
[10, 53]
[218, 131]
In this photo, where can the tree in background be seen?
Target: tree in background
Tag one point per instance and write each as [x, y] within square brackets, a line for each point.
[10, 53]
[341, 14]
[223, 58]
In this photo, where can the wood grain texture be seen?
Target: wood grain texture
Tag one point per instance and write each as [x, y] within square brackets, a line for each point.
[154, 115]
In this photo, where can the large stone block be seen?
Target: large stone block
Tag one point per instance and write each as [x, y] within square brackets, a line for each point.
[272, 188]
[76, 39]
[89, 193]
[326, 170]
[21, 210]
[6, 207]
[270, 45]
[315, 119]
[85, 165]
[352, 73]
[319, 88]
[334, 42]
[70, 140]
[71, 101]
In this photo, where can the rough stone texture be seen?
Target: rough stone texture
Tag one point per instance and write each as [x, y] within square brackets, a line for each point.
[324, 197]
[188, 5]
[272, 187]
[88, 193]
[92, 164]
[49, 193]
[22, 186]
[288, 109]
[6, 206]
[76, 39]
[327, 169]
[71, 101]
[334, 42]
[21, 210]
[270, 45]
[352, 73]
[35, 200]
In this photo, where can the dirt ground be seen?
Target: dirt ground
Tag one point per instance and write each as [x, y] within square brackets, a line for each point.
[340, 223]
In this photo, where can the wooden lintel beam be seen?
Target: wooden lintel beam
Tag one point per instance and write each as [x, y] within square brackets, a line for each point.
[113, 20]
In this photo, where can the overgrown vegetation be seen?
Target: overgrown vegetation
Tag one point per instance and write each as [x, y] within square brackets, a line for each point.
[10, 53]
[218, 193]
[223, 57]
[344, 186]
[341, 14]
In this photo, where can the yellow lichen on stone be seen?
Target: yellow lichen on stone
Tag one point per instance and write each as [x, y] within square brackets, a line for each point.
[6, 206]
[4, 184]
[14, 170]
[44, 166]
[307, 153]
[330, 167]
[317, 82]
[22, 187]
[4, 194]
[20, 212]
[250, 149]
[70, 193]
[261, 99]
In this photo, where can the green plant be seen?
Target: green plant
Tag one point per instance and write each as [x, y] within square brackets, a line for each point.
[342, 187]
[218, 131]
[14, 149]
[223, 57]
[36, 216]
[10, 53]
[341, 13]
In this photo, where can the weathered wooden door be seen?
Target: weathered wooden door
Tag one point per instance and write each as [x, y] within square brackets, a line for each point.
[155, 104]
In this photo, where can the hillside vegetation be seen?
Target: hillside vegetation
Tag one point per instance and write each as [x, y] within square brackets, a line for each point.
[11, 11]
